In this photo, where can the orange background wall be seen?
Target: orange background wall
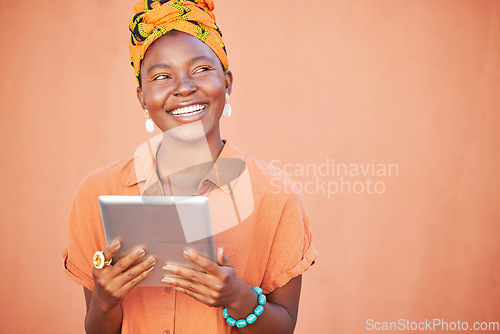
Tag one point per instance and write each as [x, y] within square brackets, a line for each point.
[414, 83]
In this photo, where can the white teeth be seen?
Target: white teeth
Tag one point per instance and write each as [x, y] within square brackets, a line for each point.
[189, 109]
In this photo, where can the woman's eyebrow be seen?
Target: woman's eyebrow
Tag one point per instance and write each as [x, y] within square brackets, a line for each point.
[198, 58]
[159, 66]
[163, 66]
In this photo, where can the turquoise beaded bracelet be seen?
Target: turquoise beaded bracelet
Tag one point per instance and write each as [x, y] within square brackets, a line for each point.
[252, 317]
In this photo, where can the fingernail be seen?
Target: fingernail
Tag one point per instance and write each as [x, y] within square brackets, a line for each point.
[168, 268]
[167, 280]
[115, 244]
[151, 260]
[188, 253]
[140, 252]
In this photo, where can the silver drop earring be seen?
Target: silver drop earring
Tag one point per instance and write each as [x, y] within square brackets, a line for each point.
[150, 126]
[227, 107]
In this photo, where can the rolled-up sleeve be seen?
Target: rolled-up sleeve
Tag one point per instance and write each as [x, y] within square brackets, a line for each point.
[292, 252]
[85, 234]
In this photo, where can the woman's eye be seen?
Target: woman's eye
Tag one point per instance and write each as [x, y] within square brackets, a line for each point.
[202, 69]
[161, 77]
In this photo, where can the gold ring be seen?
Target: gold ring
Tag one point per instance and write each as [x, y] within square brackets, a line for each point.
[99, 260]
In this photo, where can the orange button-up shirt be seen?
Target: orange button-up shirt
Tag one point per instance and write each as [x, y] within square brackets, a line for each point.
[260, 223]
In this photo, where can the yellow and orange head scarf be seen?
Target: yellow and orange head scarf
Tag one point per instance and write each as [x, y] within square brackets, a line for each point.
[155, 18]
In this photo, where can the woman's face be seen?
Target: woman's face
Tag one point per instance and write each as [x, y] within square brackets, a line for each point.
[183, 81]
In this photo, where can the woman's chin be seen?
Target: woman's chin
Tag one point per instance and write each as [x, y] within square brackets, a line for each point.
[188, 132]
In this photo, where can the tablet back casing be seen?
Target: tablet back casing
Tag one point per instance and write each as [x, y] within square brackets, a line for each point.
[163, 225]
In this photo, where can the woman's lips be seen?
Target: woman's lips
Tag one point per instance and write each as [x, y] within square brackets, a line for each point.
[189, 113]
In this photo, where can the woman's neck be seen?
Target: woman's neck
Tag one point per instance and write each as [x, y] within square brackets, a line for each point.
[186, 161]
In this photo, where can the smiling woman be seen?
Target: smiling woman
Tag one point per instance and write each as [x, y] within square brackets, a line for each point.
[262, 237]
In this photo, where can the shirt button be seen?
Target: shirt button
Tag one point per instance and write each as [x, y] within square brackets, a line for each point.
[168, 289]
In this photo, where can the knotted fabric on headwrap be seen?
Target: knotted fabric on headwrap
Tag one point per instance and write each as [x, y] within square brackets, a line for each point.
[155, 18]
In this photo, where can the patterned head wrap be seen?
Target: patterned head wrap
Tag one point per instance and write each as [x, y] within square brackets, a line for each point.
[155, 18]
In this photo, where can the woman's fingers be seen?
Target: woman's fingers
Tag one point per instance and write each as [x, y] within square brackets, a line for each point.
[202, 291]
[216, 287]
[108, 253]
[114, 282]
[222, 260]
[132, 274]
[127, 260]
[207, 264]
[219, 272]
[207, 289]
[186, 274]
[141, 275]
[111, 249]
[204, 298]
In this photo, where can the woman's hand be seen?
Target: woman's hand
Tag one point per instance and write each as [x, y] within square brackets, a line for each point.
[114, 282]
[219, 286]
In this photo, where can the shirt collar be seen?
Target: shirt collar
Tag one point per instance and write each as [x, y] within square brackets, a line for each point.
[230, 164]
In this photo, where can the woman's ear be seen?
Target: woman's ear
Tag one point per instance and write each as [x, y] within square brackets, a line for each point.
[140, 97]
[228, 76]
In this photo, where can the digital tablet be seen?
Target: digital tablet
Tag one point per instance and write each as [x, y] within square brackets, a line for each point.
[163, 225]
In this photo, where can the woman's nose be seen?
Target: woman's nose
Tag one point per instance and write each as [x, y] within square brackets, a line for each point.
[185, 86]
